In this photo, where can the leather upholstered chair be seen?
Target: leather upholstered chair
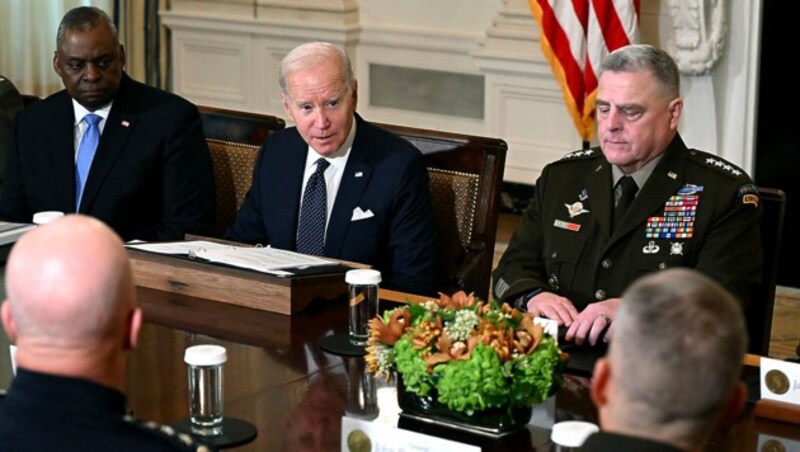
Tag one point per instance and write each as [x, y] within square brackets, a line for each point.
[759, 313]
[234, 140]
[466, 176]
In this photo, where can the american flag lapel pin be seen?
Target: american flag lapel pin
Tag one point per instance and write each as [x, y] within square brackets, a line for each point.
[359, 174]
[125, 123]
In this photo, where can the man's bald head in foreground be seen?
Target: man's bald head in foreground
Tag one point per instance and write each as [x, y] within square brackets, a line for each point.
[70, 307]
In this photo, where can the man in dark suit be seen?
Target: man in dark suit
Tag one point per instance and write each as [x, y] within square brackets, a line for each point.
[641, 202]
[74, 321]
[672, 372]
[337, 186]
[149, 177]
[10, 104]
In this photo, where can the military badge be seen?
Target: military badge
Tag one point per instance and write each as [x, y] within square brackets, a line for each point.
[676, 249]
[575, 209]
[651, 248]
[749, 194]
[567, 225]
[690, 189]
[677, 221]
[750, 199]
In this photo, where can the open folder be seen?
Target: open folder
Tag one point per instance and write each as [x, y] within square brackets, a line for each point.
[267, 260]
[10, 232]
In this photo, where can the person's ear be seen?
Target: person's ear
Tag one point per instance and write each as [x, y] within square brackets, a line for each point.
[56, 66]
[285, 101]
[8, 321]
[355, 94]
[134, 325]
[675, 108]
[122, 55]
[600, 381]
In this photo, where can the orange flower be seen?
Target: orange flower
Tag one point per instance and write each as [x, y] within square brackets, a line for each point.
[459, 300]
[391, 332]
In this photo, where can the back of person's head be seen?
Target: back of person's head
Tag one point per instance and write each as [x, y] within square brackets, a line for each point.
[312, 54]
[675, 358]
[70, 297]
[84, 18]
[643, 57]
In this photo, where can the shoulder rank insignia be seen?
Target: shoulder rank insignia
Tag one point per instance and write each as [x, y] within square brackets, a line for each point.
[576, 154]
[723, 165]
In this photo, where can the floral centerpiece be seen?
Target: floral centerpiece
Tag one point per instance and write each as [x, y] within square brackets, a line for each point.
[466, 357]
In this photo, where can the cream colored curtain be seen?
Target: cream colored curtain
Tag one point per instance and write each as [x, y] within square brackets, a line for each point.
[28, 40]
[145, 38]
[28, 35]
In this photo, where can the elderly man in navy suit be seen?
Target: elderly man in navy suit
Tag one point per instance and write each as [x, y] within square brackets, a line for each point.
[128, 154]
[337, 186]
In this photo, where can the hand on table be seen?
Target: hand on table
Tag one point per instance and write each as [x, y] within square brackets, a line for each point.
[554, 307]
[592, 321]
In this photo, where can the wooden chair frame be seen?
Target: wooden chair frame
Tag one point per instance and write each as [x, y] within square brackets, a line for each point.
[466, 155]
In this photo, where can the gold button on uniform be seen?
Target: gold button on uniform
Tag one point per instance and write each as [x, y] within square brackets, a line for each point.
[662, 266]
[607, 264]
[600, 294]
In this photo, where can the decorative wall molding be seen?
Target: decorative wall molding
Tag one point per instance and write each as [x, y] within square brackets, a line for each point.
[227, 53]
[698, 28]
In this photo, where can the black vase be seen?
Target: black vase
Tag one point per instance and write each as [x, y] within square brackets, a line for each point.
[494, 421]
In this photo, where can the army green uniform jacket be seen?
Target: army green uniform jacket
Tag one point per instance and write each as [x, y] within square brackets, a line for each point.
[695, 210]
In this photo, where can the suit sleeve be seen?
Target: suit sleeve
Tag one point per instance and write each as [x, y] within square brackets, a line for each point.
[248, 226]
[731, 252]
[412, 236]
[13, 200]
[188, 180]
[521, 268]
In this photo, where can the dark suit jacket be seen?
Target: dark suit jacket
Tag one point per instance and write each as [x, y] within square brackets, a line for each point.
[614, 442]
[10, 104]
[384, 174]
[151, 176]
[580, 258]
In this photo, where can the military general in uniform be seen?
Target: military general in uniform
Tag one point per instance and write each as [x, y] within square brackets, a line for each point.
[640, 202]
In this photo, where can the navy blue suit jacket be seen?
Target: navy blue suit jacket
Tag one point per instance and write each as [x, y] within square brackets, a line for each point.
[151, 176]
[384, 174]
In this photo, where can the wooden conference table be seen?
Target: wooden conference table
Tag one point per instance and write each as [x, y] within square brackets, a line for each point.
[279, 379]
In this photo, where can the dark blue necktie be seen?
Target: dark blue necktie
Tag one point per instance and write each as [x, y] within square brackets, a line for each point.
[311, 228]
[86, 150]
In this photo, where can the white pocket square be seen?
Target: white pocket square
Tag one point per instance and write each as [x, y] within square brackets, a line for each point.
[359, 214]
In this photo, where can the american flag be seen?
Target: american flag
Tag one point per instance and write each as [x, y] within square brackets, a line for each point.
[576, 35]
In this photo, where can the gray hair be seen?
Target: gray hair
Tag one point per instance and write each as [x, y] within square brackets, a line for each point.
[311, 54]
[84, 18]
[643, 57]
[678, 345]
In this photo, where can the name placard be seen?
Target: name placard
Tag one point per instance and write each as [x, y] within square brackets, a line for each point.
[365, 436]
[780, 381]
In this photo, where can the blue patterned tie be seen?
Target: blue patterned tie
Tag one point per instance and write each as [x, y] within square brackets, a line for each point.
[86, 152]
[311, 229]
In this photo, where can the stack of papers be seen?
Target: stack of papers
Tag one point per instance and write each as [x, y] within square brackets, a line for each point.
[261, 259]
[10, 232]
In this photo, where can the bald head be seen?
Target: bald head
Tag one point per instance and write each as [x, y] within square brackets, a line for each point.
[68, 285]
